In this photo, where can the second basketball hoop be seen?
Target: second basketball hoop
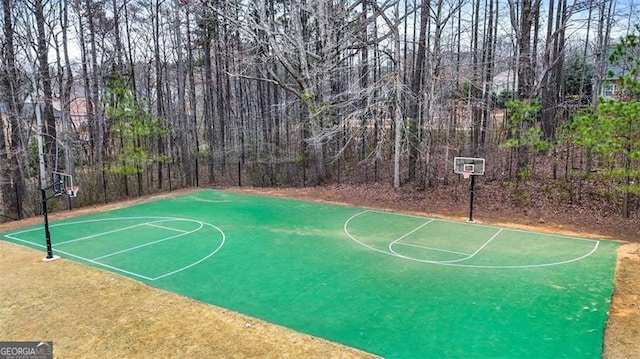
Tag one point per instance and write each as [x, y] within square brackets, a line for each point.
[469, 167]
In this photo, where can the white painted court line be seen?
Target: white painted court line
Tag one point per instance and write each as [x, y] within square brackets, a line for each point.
[154, 220]
[346, 224]
[485, 226]
[413, 231]
[151, 224]
[390, 246]
[11, 236]
[201, 259]
[81, 258]
[149, 243]
[432, 248]
[117, 269]
[477, 251]
[99, 234]
[453, 263]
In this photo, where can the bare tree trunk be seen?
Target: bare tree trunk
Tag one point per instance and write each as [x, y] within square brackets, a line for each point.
[525, 73]
[12, 187]
[601, 52]
[417, 84]
[475, 87]
[453, 122]
[220, 89]
[90, 105]
[193, 107]
[159, 88]
[116, 5]
[209, 118]
[553, 61]
[583, 75]
[100, 142]
[183, 127]
[548, 88]
[45, 79]
[397, 115]
[488, 64]
[66, 85]
[364, 75]
[525, 65]
[132, 68]
[324, 47]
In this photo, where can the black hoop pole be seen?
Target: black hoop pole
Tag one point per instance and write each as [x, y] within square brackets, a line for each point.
[45, 213]
[472, 188]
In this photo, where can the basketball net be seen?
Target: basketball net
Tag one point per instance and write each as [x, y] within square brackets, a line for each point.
[72, 191]
[466, 174]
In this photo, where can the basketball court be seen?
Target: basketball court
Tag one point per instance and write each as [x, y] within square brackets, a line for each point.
[392, 284]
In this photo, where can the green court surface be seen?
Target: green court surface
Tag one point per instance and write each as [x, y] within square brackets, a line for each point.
[395, 285]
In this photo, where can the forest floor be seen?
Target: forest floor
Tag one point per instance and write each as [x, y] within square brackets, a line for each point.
[89, 313]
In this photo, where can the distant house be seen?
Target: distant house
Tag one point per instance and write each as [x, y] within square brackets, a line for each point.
[77, 115]
[28, 111]
[623, 66]
[27, 115]
[77, 111]
[611, 86]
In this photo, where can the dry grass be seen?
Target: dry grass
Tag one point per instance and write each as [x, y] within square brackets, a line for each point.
[90, 313]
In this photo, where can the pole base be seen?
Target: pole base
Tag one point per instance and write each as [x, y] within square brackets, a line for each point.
[47, 259]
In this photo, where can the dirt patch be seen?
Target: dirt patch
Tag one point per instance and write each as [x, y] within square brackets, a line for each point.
[90, 313]
[622, 333]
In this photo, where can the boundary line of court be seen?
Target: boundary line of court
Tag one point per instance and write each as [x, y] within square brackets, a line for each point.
[118, 269]
[82, 258]
[452, 263]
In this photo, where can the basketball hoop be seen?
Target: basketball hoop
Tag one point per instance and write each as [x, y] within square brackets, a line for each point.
[72, 191]
[466, 173]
